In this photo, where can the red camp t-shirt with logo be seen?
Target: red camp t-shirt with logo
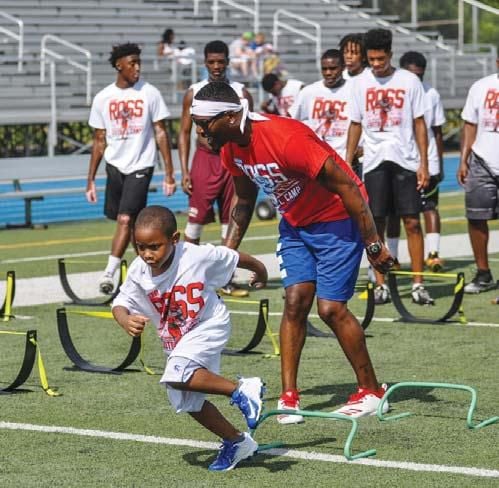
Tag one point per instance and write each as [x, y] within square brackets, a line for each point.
[283, 159]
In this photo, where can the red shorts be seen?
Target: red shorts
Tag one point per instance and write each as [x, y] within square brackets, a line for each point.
[211, 183]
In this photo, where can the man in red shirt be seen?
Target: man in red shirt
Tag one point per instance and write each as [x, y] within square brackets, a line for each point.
[326, 223]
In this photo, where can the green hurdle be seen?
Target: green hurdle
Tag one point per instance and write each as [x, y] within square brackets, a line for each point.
[347, 449]
[423, 384]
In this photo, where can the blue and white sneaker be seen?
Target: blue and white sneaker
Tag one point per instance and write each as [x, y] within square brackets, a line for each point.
[232, 452]
[249, 398]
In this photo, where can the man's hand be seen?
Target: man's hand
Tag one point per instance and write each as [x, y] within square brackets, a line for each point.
[91, 192]
[382, 261]
[169, 186]
[186, 184]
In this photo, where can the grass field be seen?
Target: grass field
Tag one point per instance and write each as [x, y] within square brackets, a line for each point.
[96, 425]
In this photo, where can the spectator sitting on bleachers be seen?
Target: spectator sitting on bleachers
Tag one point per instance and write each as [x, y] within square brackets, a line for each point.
[267, 60]
[165, 46]
[242, 57]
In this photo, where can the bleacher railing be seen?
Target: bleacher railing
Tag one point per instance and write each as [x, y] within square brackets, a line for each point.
[45, 52]
[255, 11]
[17, 36]
[474, 20]
[280, 24]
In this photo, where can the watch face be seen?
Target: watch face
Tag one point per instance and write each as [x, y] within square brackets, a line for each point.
[374, 248]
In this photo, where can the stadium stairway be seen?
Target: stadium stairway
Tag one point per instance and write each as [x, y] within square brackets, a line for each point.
[97, 24]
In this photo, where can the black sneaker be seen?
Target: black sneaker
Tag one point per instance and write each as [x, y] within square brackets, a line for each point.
[482, 281]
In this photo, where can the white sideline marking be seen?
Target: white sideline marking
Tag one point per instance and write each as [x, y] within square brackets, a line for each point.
[311, 456]
[374, 319]
[100, 253]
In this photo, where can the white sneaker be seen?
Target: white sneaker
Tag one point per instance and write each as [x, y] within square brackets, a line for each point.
[364, 403]
[231, 453]
[249, 398]
[290, 400]
[106, 284]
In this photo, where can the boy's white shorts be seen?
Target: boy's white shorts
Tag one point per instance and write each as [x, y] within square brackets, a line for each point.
[200, 348]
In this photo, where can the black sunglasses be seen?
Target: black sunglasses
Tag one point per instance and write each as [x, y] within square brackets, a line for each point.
[205, 123]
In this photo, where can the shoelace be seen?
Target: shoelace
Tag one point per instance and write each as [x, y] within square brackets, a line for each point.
[290, 400]
[360, 394]
[226, 453]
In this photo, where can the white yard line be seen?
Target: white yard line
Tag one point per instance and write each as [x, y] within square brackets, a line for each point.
[374, 319]
[99, 253]
[306, 455]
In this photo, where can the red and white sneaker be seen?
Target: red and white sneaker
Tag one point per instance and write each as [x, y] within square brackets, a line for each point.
[364, 403]
[290, 400]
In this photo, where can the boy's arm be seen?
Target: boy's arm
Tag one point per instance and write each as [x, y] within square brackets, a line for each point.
[259, 277]
[98, 148]
[163, 142]
[133, 324]
[353, 138]
[421, 136]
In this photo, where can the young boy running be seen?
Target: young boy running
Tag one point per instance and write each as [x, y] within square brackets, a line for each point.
[173, 284]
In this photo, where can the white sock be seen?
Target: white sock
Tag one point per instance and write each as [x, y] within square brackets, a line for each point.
[432, 242]
[393, 246]
[112, 265]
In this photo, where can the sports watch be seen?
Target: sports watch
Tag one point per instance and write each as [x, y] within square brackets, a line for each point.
[374, 248]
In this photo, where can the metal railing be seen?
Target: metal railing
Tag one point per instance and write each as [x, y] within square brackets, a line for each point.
[255, 12]
[300, 32]
[19, 37]
[474, 20]
[86, 68]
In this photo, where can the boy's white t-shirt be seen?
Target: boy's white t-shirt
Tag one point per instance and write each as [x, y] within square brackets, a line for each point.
[287, 96]
[325, 111]
[434, 116]
[127, 115]
[482, 108]
[183, 299]
[387, 107]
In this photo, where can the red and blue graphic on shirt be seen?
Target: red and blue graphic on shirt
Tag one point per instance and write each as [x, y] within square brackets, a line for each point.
[283, 159]
[490, 119]
[126, 117]
[384, 108]
[331, 117]
[179, 311]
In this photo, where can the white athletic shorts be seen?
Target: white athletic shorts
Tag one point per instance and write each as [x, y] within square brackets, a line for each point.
[200, 348]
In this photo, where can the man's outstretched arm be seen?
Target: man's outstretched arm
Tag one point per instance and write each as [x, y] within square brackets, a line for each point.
[334, 179]
[243, 204]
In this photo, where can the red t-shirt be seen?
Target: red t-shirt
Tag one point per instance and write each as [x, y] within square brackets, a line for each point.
[284, 158]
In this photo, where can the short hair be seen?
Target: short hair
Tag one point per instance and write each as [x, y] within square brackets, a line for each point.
[122, 50]
[218, 91]
[378, 39]
[333, 54]
[216, 47]
[157, 217]
[269, 80]
[412, 57]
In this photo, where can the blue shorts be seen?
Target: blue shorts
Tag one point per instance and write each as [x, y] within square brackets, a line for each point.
[326, 253]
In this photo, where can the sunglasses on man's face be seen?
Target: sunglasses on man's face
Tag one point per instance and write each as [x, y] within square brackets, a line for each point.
[205, 123]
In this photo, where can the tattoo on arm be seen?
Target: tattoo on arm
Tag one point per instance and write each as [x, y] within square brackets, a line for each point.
[240, 219]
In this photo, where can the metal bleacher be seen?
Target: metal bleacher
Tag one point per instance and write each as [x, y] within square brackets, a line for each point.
[97, 24]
